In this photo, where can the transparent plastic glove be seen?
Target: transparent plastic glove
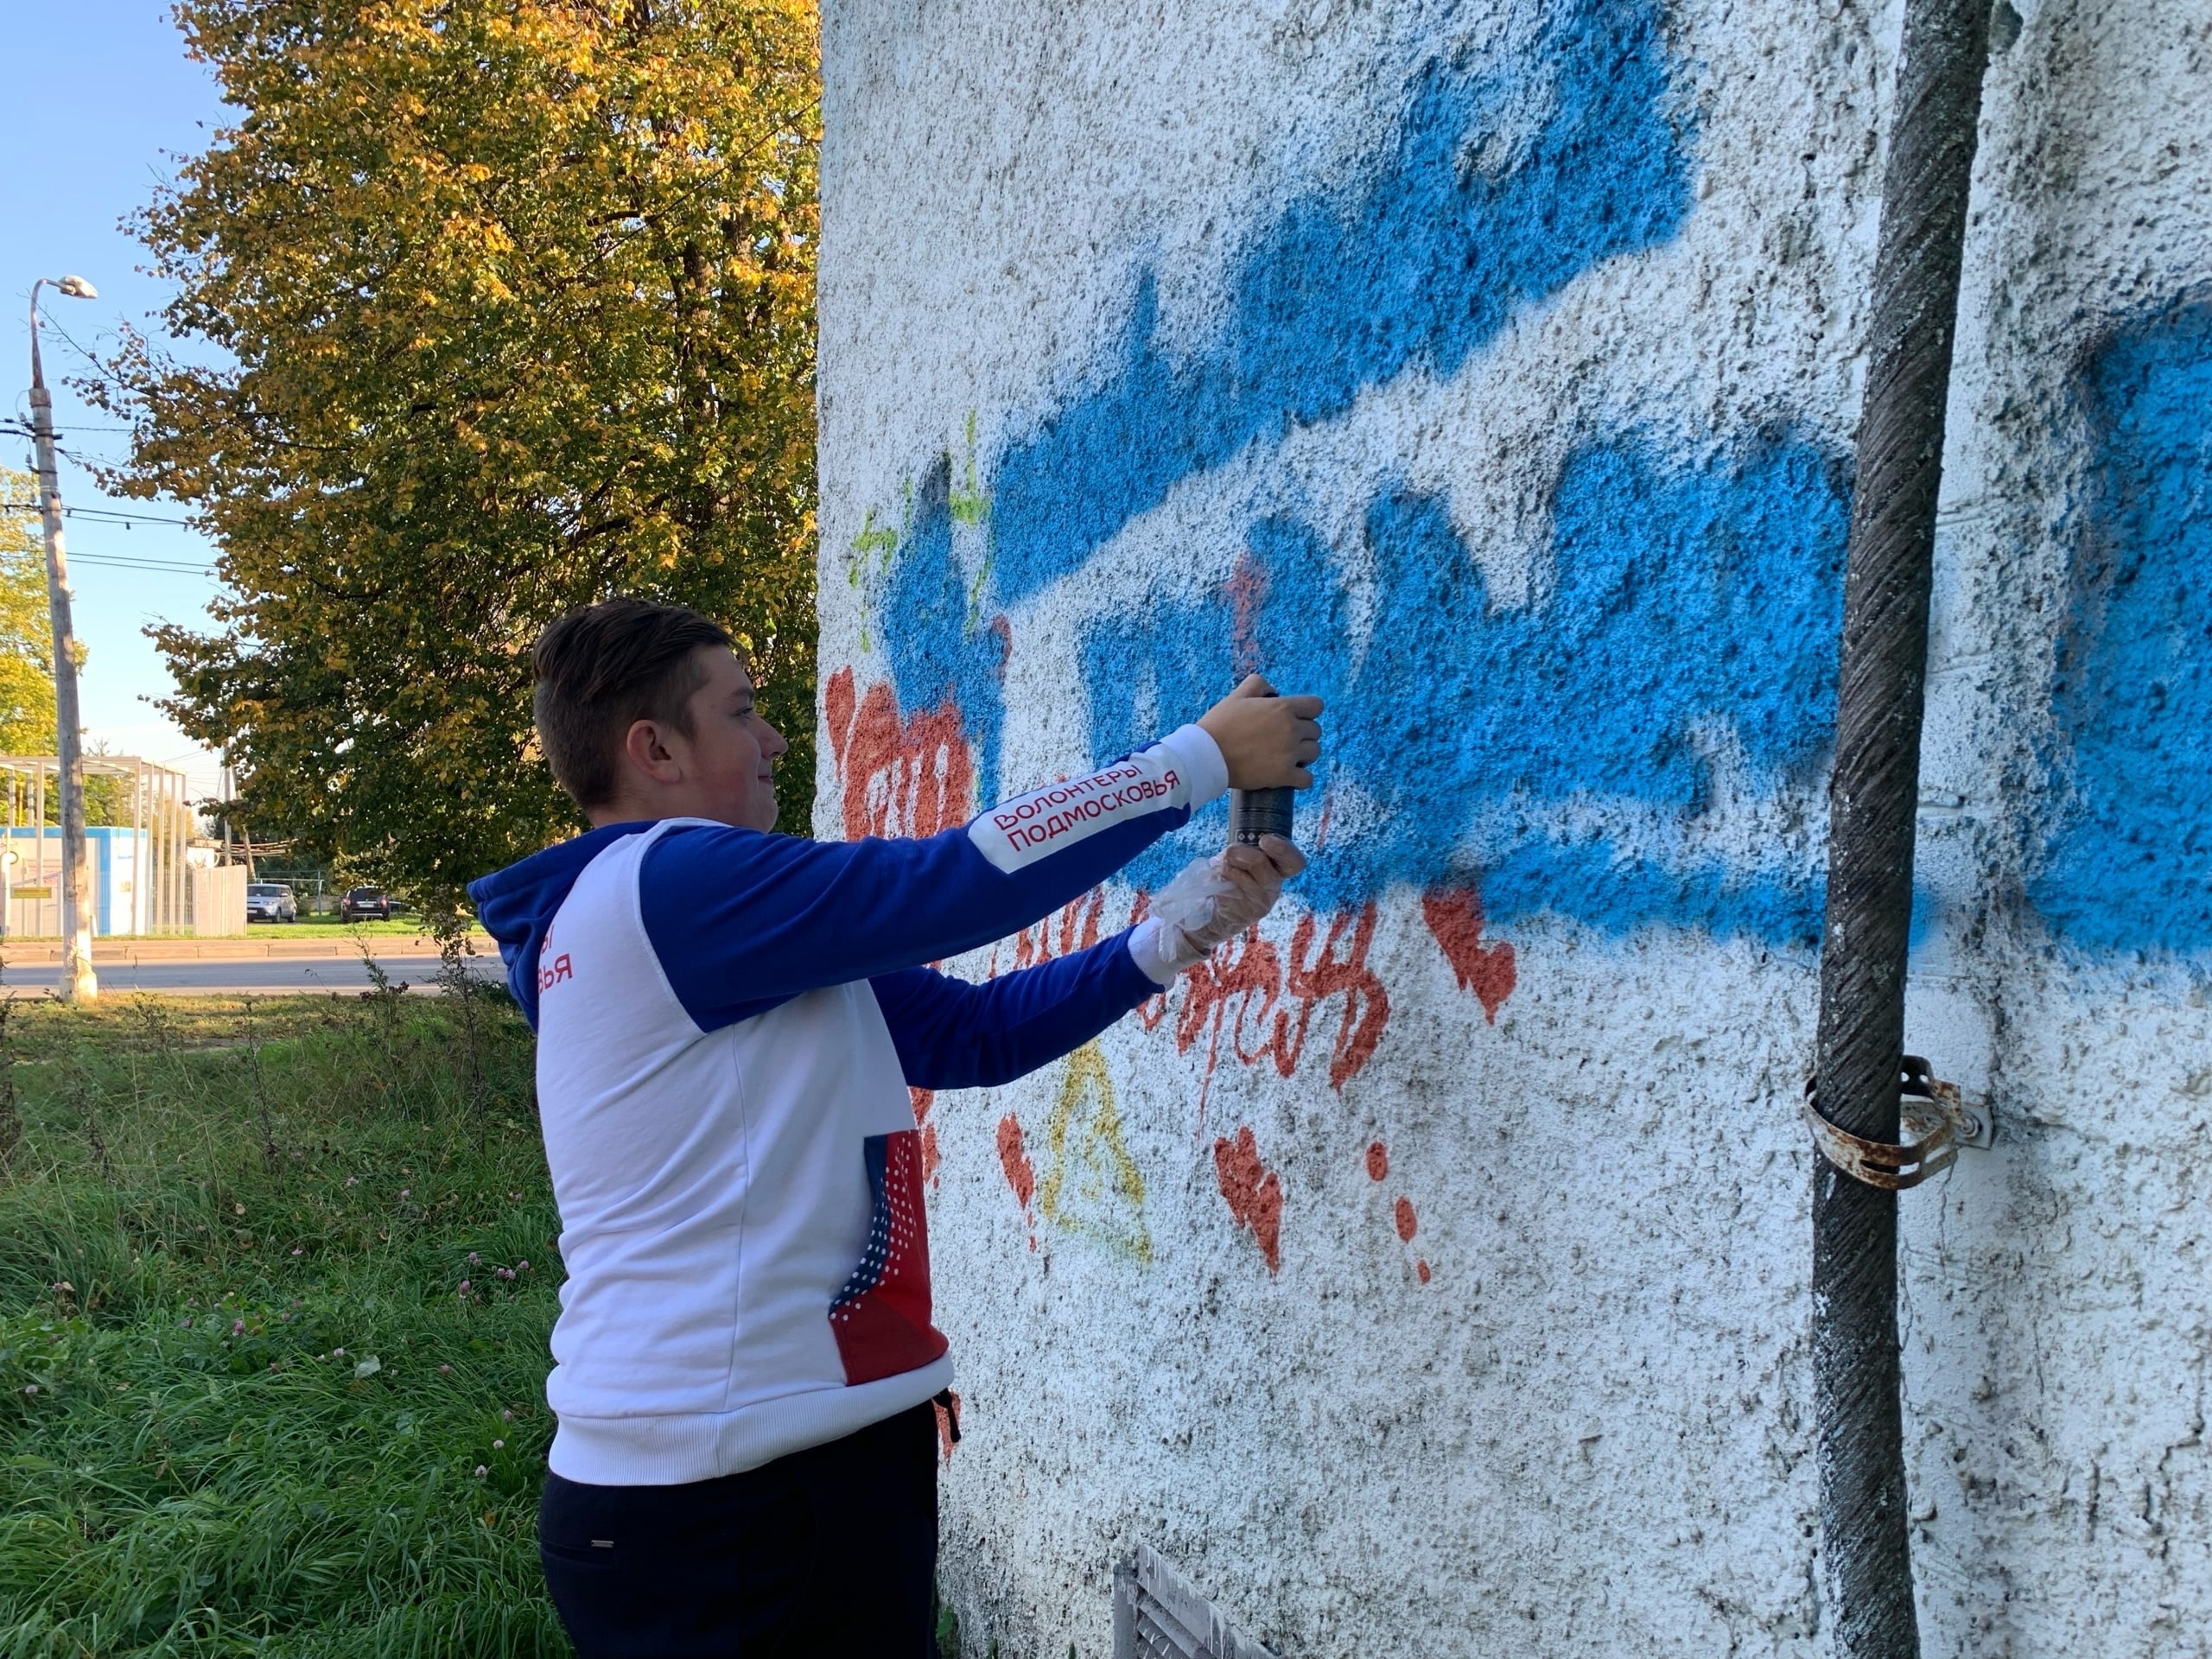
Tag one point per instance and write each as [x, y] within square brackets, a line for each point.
[1211, 901]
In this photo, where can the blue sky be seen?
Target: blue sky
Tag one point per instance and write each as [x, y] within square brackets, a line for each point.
[105, 89]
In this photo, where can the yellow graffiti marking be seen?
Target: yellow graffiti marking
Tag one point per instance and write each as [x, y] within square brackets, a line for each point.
[1094, 1186]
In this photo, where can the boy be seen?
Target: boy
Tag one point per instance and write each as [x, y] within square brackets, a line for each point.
[727, 1022]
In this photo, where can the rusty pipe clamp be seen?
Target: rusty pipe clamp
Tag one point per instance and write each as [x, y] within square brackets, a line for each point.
[1932, 1113]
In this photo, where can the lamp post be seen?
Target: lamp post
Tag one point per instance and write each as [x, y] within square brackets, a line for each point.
[78, 984]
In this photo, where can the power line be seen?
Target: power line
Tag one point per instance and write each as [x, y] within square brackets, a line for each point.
[112, 561]
[22, 428]
[106, 514]
[129, 517]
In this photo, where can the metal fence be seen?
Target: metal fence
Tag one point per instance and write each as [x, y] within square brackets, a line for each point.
[138, 857]
[1160, 1614]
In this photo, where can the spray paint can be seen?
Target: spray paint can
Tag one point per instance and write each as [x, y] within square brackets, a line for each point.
[1257, 812]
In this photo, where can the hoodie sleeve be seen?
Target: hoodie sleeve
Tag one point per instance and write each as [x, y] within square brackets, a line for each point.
[743, 920]
[952, 1034]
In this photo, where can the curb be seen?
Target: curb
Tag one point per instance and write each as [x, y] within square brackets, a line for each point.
[247, 950]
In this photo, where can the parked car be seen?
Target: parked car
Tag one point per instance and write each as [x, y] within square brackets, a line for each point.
[366, 904]
[270, 901]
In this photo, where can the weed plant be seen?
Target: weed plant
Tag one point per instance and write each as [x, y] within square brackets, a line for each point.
[274, 1299]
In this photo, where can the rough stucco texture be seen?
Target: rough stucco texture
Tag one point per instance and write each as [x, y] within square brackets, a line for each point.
[1427, 1273]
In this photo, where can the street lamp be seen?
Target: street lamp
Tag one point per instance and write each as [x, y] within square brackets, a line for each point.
[78, 984]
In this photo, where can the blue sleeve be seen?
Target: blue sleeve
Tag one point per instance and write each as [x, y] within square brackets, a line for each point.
[952, 1034]
[743, 920]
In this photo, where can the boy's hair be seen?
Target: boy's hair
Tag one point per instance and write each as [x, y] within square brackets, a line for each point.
[601, 669]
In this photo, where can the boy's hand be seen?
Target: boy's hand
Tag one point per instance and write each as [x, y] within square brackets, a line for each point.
[1268, 742]
[1213, 900]
[1255, 875]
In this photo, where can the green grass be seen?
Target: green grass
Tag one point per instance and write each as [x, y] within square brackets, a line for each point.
[43, 1031]
[329, 927]
[244, 1402]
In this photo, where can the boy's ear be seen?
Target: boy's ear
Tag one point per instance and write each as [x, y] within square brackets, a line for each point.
[643, 748]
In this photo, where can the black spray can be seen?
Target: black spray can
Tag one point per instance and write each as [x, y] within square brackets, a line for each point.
[1257, 812]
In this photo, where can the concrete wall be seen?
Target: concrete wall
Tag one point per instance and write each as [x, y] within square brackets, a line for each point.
[1426, 1274]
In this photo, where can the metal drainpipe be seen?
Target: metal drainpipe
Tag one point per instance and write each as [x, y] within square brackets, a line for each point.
[1866, 1559]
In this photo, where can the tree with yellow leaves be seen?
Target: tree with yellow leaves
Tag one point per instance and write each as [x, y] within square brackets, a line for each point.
[520, 299]
[26, 627]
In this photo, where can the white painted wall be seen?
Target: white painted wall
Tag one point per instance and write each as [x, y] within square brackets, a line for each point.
[1569, 1413]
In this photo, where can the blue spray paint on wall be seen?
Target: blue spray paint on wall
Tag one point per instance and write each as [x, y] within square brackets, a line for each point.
[1422, 267]
[2129, 865]
[1434, 254]
[940, 651]
[1686, 595]
[1688, 601]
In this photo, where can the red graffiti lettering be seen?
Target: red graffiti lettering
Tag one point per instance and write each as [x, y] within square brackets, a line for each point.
[921, 1100]
[1401, 1215]
[1078, 928]
[1367, 1006]
[1253, 976]
[1254, 1191]
[1254, 971]
[1454, 915]
[1089, 915]
[1403, 1221]
[1230, 974]
[837, 706]
[910, 778]
[1020, 1174]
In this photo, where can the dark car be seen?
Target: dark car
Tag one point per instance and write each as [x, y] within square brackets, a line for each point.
[270, 901]
[366, 904]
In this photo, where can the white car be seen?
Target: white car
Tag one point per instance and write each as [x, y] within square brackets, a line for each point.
[270, 901]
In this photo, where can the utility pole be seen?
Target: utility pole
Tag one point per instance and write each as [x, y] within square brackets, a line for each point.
[78, 984]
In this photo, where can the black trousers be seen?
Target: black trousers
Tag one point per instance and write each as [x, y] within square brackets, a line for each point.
[829, 1551]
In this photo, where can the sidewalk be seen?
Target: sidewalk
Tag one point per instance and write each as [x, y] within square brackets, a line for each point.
[255, 947]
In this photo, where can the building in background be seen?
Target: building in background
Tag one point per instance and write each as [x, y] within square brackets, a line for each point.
[1427, 1273]
[138, 852]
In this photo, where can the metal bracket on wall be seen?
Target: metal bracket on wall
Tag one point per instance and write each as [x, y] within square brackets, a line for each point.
[1940, 1118]
[1978, 1121]
[1972, 1122]
[1160, 1614]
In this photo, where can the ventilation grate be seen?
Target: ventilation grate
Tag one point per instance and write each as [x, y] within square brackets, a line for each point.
[1160, 1614]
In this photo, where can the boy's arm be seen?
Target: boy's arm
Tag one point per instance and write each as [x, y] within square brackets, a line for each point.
[952, 1034]
[743, 920]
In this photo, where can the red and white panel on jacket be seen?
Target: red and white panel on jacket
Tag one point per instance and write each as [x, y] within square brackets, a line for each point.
[882, 1317]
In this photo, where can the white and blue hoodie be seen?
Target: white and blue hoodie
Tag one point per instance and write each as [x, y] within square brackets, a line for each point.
[728, 1022]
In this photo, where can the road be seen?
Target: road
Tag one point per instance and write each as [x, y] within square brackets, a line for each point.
[341, 971]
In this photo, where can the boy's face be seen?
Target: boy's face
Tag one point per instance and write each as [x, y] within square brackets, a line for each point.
[732, 751]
